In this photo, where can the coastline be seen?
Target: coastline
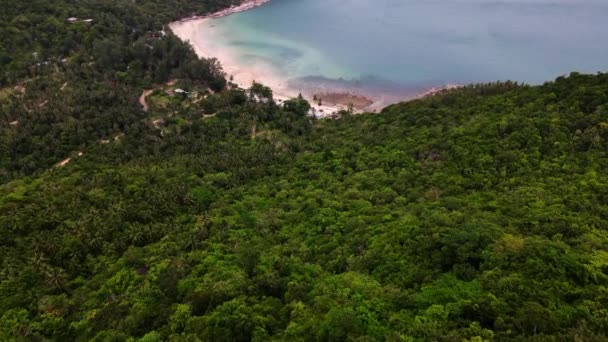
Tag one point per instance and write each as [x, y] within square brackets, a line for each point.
[245, 6]
[324, 102]
[189, 30]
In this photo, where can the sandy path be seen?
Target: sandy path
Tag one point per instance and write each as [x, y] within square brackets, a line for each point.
[142, 99]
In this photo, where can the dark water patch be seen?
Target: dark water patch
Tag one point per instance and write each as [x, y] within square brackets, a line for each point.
[381, 91]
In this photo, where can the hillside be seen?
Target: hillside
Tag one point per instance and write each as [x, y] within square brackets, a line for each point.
[476, 214]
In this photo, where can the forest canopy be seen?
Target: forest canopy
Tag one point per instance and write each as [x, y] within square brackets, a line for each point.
[475, 214]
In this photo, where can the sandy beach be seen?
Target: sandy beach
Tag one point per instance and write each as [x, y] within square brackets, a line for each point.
[206, 40]
[197, 30]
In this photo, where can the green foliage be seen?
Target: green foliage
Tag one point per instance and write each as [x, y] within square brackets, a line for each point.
[410, 225]
[66, 86]
[476, 214]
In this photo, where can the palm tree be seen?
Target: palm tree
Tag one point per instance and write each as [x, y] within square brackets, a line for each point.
[55, 277]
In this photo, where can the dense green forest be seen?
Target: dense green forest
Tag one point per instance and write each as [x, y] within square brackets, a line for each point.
[476, 214]
[65, 85]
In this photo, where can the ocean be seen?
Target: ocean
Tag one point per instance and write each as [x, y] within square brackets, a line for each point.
[402, 47]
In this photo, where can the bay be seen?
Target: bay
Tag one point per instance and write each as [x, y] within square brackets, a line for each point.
[405, 46]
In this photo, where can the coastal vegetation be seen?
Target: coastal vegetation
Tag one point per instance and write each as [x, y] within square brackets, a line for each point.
[219, 214]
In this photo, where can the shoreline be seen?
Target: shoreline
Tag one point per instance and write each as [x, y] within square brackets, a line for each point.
[245, 6]
[188, 30]
[324, 102]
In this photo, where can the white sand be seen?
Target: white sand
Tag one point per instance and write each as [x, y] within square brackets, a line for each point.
[203, 38]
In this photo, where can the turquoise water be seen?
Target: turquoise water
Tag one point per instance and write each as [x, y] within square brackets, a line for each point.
[408, 45]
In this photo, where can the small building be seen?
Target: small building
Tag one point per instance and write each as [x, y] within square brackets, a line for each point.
[72, 20]
[88, 21]
[180, 91]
